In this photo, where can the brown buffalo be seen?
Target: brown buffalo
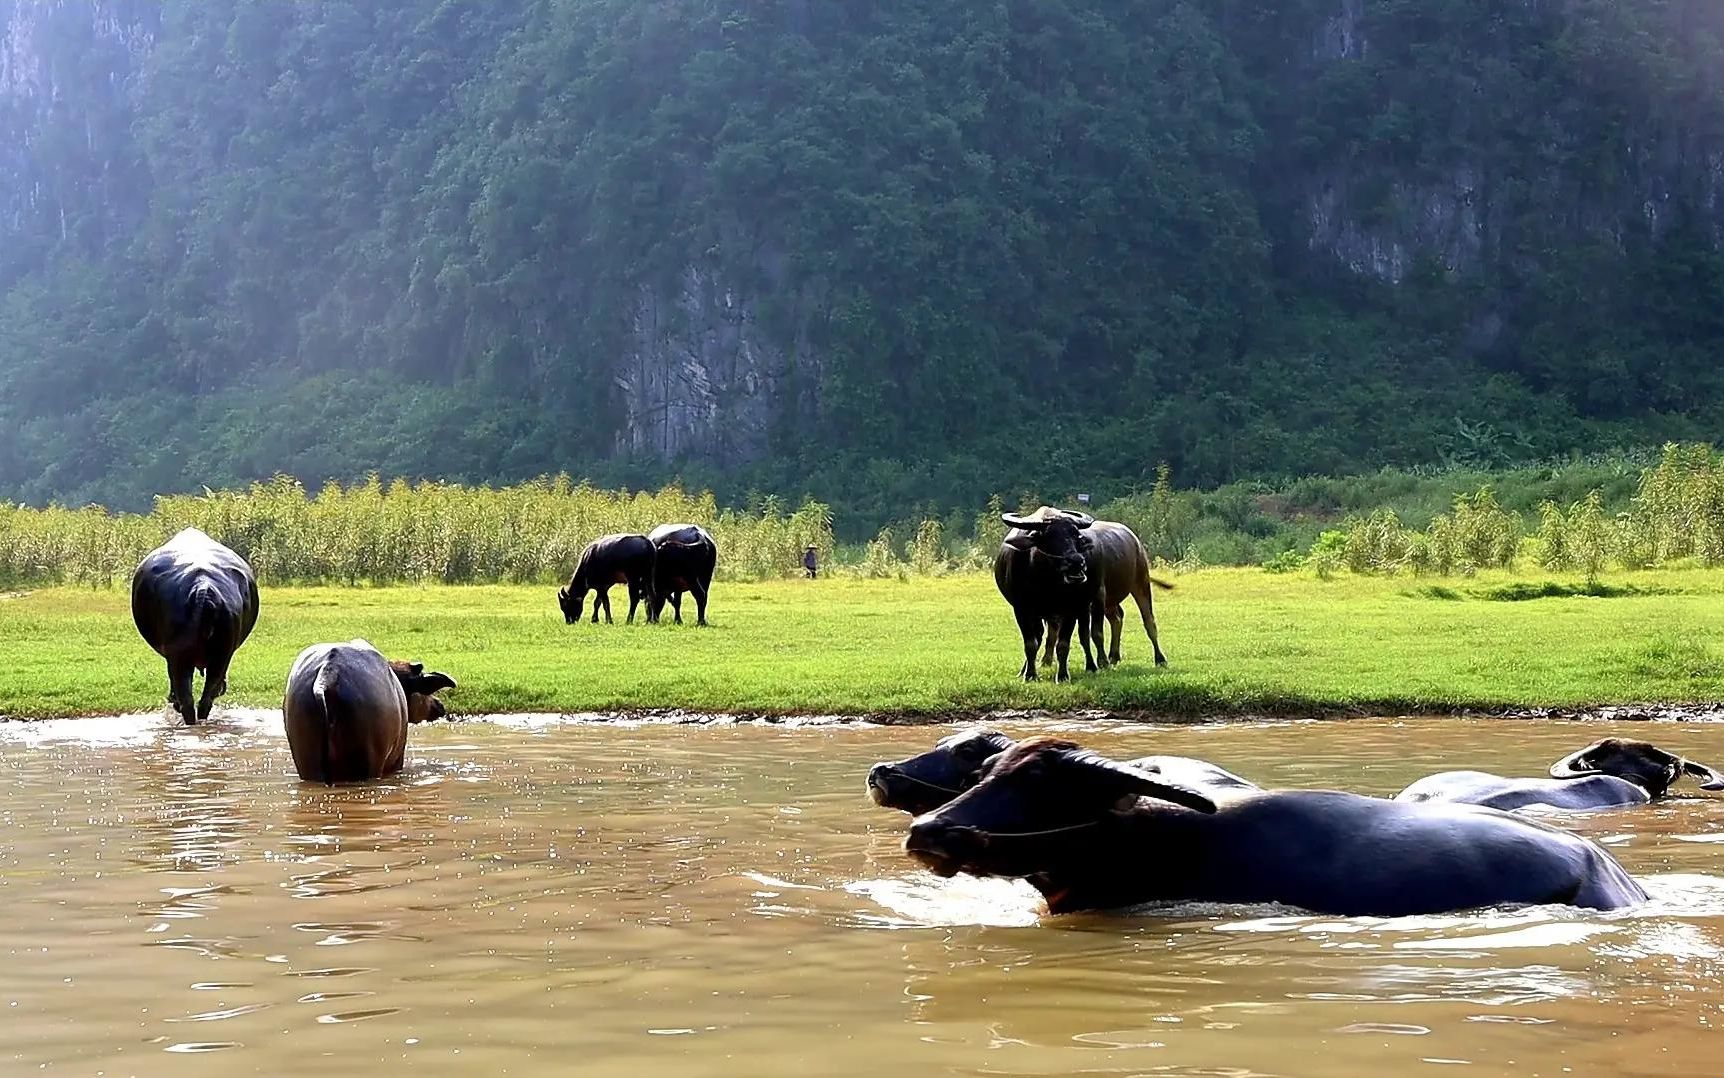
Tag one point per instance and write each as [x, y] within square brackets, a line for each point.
[347, 709]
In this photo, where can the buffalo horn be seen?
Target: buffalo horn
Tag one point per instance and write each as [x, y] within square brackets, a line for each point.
[435, 681]
[1709, 778]
[1574, 765]
[1142, 782]
[1029, 524]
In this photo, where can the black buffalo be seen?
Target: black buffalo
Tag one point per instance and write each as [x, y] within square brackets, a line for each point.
[346, 711]
[928, 780]
[1120, 564]
[195, 602]
[1606, 774]
[610, 559]
[1089, 833]
[686, 558]
[1043, 571]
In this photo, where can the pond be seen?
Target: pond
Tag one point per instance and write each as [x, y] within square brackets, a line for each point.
[539, 896]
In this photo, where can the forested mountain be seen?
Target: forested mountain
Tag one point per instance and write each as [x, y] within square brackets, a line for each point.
[893, 254]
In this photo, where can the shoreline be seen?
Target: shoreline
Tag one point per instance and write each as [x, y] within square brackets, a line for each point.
[1699, 712]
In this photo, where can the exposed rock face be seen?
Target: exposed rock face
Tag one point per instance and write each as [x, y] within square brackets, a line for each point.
[68, 168]
[702, 377]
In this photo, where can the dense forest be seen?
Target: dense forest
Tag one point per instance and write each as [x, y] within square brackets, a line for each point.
[897, 256]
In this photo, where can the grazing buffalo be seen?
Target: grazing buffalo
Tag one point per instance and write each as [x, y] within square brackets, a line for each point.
[1606, 774]
[686, 559]
[195, 602]
[347, 709]
[1043, 571]
[1089, 833]
[926, 781]
[610, 559]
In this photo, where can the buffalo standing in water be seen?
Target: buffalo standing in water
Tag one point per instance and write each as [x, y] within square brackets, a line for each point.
[1089, 833]
[195, 602]
[608, 560]
[685, 559]
[347, 709]
[1606, 774]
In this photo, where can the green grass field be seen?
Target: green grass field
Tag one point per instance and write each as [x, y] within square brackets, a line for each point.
[1240, 642]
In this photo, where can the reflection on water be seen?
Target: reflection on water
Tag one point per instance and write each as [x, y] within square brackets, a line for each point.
[543, 897]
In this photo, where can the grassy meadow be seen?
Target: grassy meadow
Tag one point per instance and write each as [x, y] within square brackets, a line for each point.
[1240, 641]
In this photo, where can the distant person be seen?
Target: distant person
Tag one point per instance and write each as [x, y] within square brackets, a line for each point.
[811, 562]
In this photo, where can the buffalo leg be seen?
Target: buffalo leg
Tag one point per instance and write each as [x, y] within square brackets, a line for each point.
[1115, 618]
[215, 683]
[634, 601]
[1147, 609]
[1061, 671]
[676, 605]
[1053, 634]
[1090, 626]
[700, 604]
[180, 689]
[1031, 628]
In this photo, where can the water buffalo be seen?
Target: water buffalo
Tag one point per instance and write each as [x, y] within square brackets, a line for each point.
[1043, 571]
[1089, 833]
[928, 780]
[347, 708]
[1120, 563]
[1606, 774]
[195, 602]
[610, 559]
[686, 559]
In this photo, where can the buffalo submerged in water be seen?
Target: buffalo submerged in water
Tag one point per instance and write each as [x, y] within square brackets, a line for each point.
[1089, 833]
[1612, 773]
[194, 601]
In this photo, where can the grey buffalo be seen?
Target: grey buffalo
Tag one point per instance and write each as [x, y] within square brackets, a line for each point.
[1606, 774]
[1089, 833]
[194, 601]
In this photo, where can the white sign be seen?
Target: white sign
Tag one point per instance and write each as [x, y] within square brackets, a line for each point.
[1083, 499]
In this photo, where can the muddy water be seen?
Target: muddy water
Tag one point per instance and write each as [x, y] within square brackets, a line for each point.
[540, 897]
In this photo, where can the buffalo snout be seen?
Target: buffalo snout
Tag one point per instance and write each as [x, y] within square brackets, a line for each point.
[944, 848]
[880, 777]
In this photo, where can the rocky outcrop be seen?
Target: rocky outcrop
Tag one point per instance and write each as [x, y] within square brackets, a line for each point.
[701, 376]
[69, 171]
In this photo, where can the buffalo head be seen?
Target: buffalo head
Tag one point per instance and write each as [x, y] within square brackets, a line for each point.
[571, 600]
[1054, 539]
[1644, 764]
[422, 705]
[1032, 808]
[925, 782]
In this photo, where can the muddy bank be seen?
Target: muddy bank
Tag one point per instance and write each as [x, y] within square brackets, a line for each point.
[1685, 713]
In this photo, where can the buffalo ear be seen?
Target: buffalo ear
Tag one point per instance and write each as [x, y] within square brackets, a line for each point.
[1135, 783]
[1576, 764]
[1709, 778]
[1086, 543]
[1024, 541]
[563, 593]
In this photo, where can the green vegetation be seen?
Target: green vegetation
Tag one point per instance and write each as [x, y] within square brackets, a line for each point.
[373, 534]
[985, 249]
[1668, 514]
[1240, 642]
